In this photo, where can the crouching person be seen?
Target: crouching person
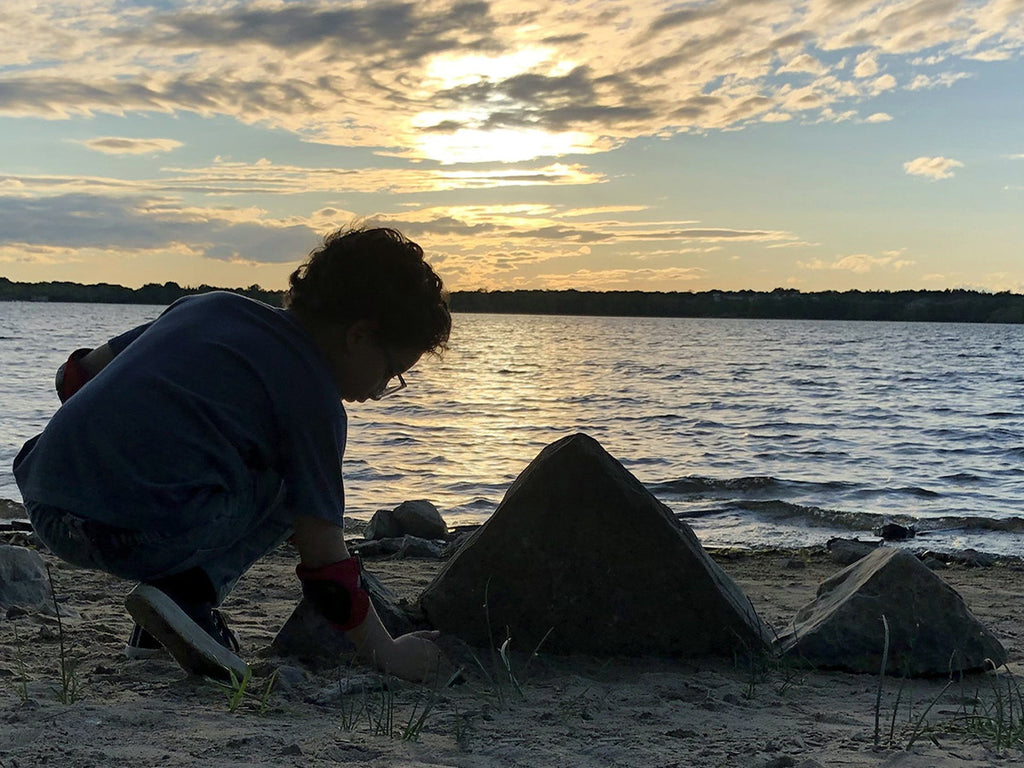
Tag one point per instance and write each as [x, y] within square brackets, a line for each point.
[189, 447]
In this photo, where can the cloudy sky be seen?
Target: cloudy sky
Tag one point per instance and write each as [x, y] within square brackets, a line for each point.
[591, 144]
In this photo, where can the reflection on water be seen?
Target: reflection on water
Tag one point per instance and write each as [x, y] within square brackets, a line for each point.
[887, 419]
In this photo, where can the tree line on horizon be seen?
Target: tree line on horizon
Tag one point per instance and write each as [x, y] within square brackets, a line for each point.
[950, 305]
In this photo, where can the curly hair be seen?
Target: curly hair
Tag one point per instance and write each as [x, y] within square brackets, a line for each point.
[373, 274]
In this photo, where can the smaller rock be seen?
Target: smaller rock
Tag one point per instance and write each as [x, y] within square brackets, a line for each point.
[417, 518]
[289, 678]
[382, 526]
[895, 532]
[421, 519]
[927, 627]
[10, 509]
[23, 579]
[400, 547]
[848, 551]
[414, 546]
[976, 559]
[354, 681]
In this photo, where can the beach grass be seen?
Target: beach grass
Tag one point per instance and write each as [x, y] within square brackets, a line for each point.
[70, 689]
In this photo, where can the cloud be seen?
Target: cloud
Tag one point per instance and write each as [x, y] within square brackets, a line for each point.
[943, 80]
[264, 177]
[934, 168]
[860, 263]
[475, 81]
[866, 66]
[803, 63]
[88, 221]
[878, 117]
[672, 278]
[115, 145]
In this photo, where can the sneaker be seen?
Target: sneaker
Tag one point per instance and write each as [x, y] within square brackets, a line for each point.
[194, 634]
[142, 645]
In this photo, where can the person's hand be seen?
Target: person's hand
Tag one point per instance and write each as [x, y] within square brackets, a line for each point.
[414, 657]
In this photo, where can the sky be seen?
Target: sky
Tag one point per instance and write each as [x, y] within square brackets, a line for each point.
[588, 144]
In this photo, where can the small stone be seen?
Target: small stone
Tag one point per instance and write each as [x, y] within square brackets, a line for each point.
[23, 579]
[895, 532]
[848, 551]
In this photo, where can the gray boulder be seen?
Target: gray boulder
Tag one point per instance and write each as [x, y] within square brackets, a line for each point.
[848, 551]
[931, 630]
[23, 580]
[308, 636]
[417, 518]
[579, 547]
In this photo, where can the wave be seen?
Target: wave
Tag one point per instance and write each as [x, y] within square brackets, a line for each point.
[951, 523]
[776, 511]
[963, 477]
[703, 485]
[909, 490]
[812, 516]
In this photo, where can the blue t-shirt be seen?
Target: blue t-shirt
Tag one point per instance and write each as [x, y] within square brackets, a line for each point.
[216, 392]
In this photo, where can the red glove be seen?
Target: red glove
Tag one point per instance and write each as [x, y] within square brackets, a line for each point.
[337, 592]
[71, 376]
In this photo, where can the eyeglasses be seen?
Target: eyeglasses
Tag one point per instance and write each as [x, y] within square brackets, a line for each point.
[390, 386]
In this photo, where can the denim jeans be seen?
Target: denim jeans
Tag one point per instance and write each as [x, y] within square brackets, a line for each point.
[239, 533]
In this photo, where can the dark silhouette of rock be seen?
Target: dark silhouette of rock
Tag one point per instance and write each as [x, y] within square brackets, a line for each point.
[849, 551]
[398, 548]
[307, 635]
[23, 580]
[579, 547]
[931, 630]
[895, 532]
[417, 518]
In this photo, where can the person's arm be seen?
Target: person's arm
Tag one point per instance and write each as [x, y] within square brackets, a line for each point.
[84, 364]
[412, 656]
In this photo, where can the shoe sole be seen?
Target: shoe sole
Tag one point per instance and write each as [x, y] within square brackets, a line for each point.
[135, 653]
[194, 650]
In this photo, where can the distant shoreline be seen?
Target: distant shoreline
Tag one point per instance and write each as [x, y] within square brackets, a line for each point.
[962, 306]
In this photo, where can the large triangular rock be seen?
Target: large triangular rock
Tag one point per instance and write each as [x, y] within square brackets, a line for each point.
[579, 547]
[931, 630]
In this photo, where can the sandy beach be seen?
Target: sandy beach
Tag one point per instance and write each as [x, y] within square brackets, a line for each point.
[571, 711]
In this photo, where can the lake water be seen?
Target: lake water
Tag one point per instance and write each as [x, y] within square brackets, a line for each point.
[757, 432]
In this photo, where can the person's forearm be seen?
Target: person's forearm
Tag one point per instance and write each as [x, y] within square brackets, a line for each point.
[321, 543]
[324, 569]
[97, 360]
[372, 640]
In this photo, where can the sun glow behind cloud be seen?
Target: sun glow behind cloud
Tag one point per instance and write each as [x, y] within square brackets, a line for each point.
[505, 145]
[431, 105]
